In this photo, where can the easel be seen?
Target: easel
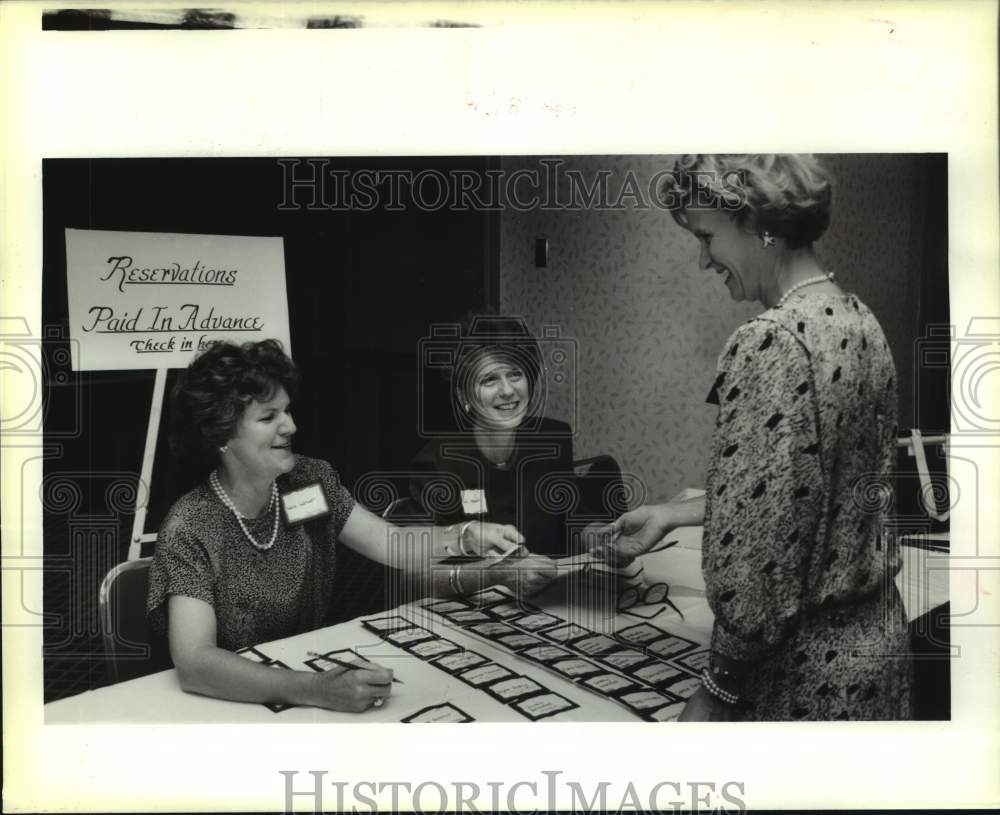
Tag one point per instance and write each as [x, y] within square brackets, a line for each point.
[146, 476]
[105, 311]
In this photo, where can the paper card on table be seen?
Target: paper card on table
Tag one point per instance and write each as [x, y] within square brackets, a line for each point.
[516, 641]
[668, 713]
[659, 674]
[490, 596]
[492, 630]
[468, 617]
[640, 634]
[404, 636]
[537, 621]
[670, 646]
[452, 663]
[332, 659]
[545, 653]
[382, 625]
[625, 659]
[609, 683]
[254, 655]
[484, 674]
[545, 704]
[438, 714]
[644, 701]
[516, 687]
[575, 668]
[506, 610]
[446, 606]
[428, 649]
[596, 645]
[685, 687]
[696, 662]
[566, 633]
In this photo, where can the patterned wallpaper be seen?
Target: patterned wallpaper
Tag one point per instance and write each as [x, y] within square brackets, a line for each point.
[648, 324]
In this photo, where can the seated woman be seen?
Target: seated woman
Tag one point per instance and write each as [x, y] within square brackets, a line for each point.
[514, 465]
[250, 555]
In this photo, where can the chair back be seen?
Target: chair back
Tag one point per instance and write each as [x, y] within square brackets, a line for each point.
[130, 648]
[602, 489]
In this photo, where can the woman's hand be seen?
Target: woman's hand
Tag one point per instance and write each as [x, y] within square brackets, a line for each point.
[351, 690]
[703, 707]
[525, 575]
[633, 534]
[481, 537]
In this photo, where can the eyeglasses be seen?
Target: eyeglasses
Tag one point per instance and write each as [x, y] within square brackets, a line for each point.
[654, 595]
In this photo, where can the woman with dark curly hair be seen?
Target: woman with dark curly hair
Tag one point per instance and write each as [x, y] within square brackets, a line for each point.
[808, 621]
[249, 555]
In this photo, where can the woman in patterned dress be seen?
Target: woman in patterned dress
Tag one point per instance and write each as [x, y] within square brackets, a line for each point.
[808, 622]
[249, 555]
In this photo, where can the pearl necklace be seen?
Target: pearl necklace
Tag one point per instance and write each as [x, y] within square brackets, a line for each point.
[809, 281]
[217, 486]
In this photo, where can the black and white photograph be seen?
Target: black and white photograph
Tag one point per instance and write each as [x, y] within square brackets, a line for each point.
[692, 430]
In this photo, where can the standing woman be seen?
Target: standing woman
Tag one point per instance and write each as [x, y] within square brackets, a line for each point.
[808, 621]
[250, 554]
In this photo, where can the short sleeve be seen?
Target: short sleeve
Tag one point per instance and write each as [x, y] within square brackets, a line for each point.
[181, 566]
[764, 491]
[340, 498]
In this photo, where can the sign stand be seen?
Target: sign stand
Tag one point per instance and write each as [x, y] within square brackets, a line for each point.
[146, 477]
[168, 294]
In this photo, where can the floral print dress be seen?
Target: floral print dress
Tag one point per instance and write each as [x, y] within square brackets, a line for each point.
[797, 570]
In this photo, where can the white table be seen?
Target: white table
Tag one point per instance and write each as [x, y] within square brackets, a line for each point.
[157, 698]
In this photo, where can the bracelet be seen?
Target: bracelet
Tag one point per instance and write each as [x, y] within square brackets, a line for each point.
[461, 539]
[712, 687]
[451, 581]
[458, 581]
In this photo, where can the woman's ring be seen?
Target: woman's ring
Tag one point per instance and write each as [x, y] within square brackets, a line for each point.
[377, 701]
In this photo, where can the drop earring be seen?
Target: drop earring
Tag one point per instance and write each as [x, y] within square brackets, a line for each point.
[766, 239]
[224, 449]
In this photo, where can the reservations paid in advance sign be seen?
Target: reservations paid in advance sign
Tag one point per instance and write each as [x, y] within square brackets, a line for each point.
[140, 300]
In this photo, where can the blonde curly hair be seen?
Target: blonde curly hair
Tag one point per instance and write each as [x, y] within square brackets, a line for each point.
[786, 194]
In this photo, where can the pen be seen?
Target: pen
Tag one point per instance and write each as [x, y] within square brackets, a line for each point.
[351, 666]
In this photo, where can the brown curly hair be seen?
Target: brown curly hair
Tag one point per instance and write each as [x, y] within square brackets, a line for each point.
[211, 395]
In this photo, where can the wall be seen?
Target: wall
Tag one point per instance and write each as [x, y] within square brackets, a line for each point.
[649, 324]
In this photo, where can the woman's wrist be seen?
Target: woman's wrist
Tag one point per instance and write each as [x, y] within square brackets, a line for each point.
[684, 513]
[726, 674]
[302, 688]
[462, 536]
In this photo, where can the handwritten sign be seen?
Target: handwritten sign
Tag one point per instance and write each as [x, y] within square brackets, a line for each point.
[154, 299]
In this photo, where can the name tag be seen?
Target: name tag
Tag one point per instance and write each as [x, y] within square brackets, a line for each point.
[474, 502]
[305, 504]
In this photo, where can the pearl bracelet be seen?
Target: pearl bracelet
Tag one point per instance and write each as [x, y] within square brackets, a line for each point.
[713, 688]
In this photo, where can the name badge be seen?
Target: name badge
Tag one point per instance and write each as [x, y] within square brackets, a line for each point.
[305, 504]
[474, 502]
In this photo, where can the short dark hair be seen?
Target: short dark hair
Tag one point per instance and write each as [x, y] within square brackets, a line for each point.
[211, 395]
[786, 194]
